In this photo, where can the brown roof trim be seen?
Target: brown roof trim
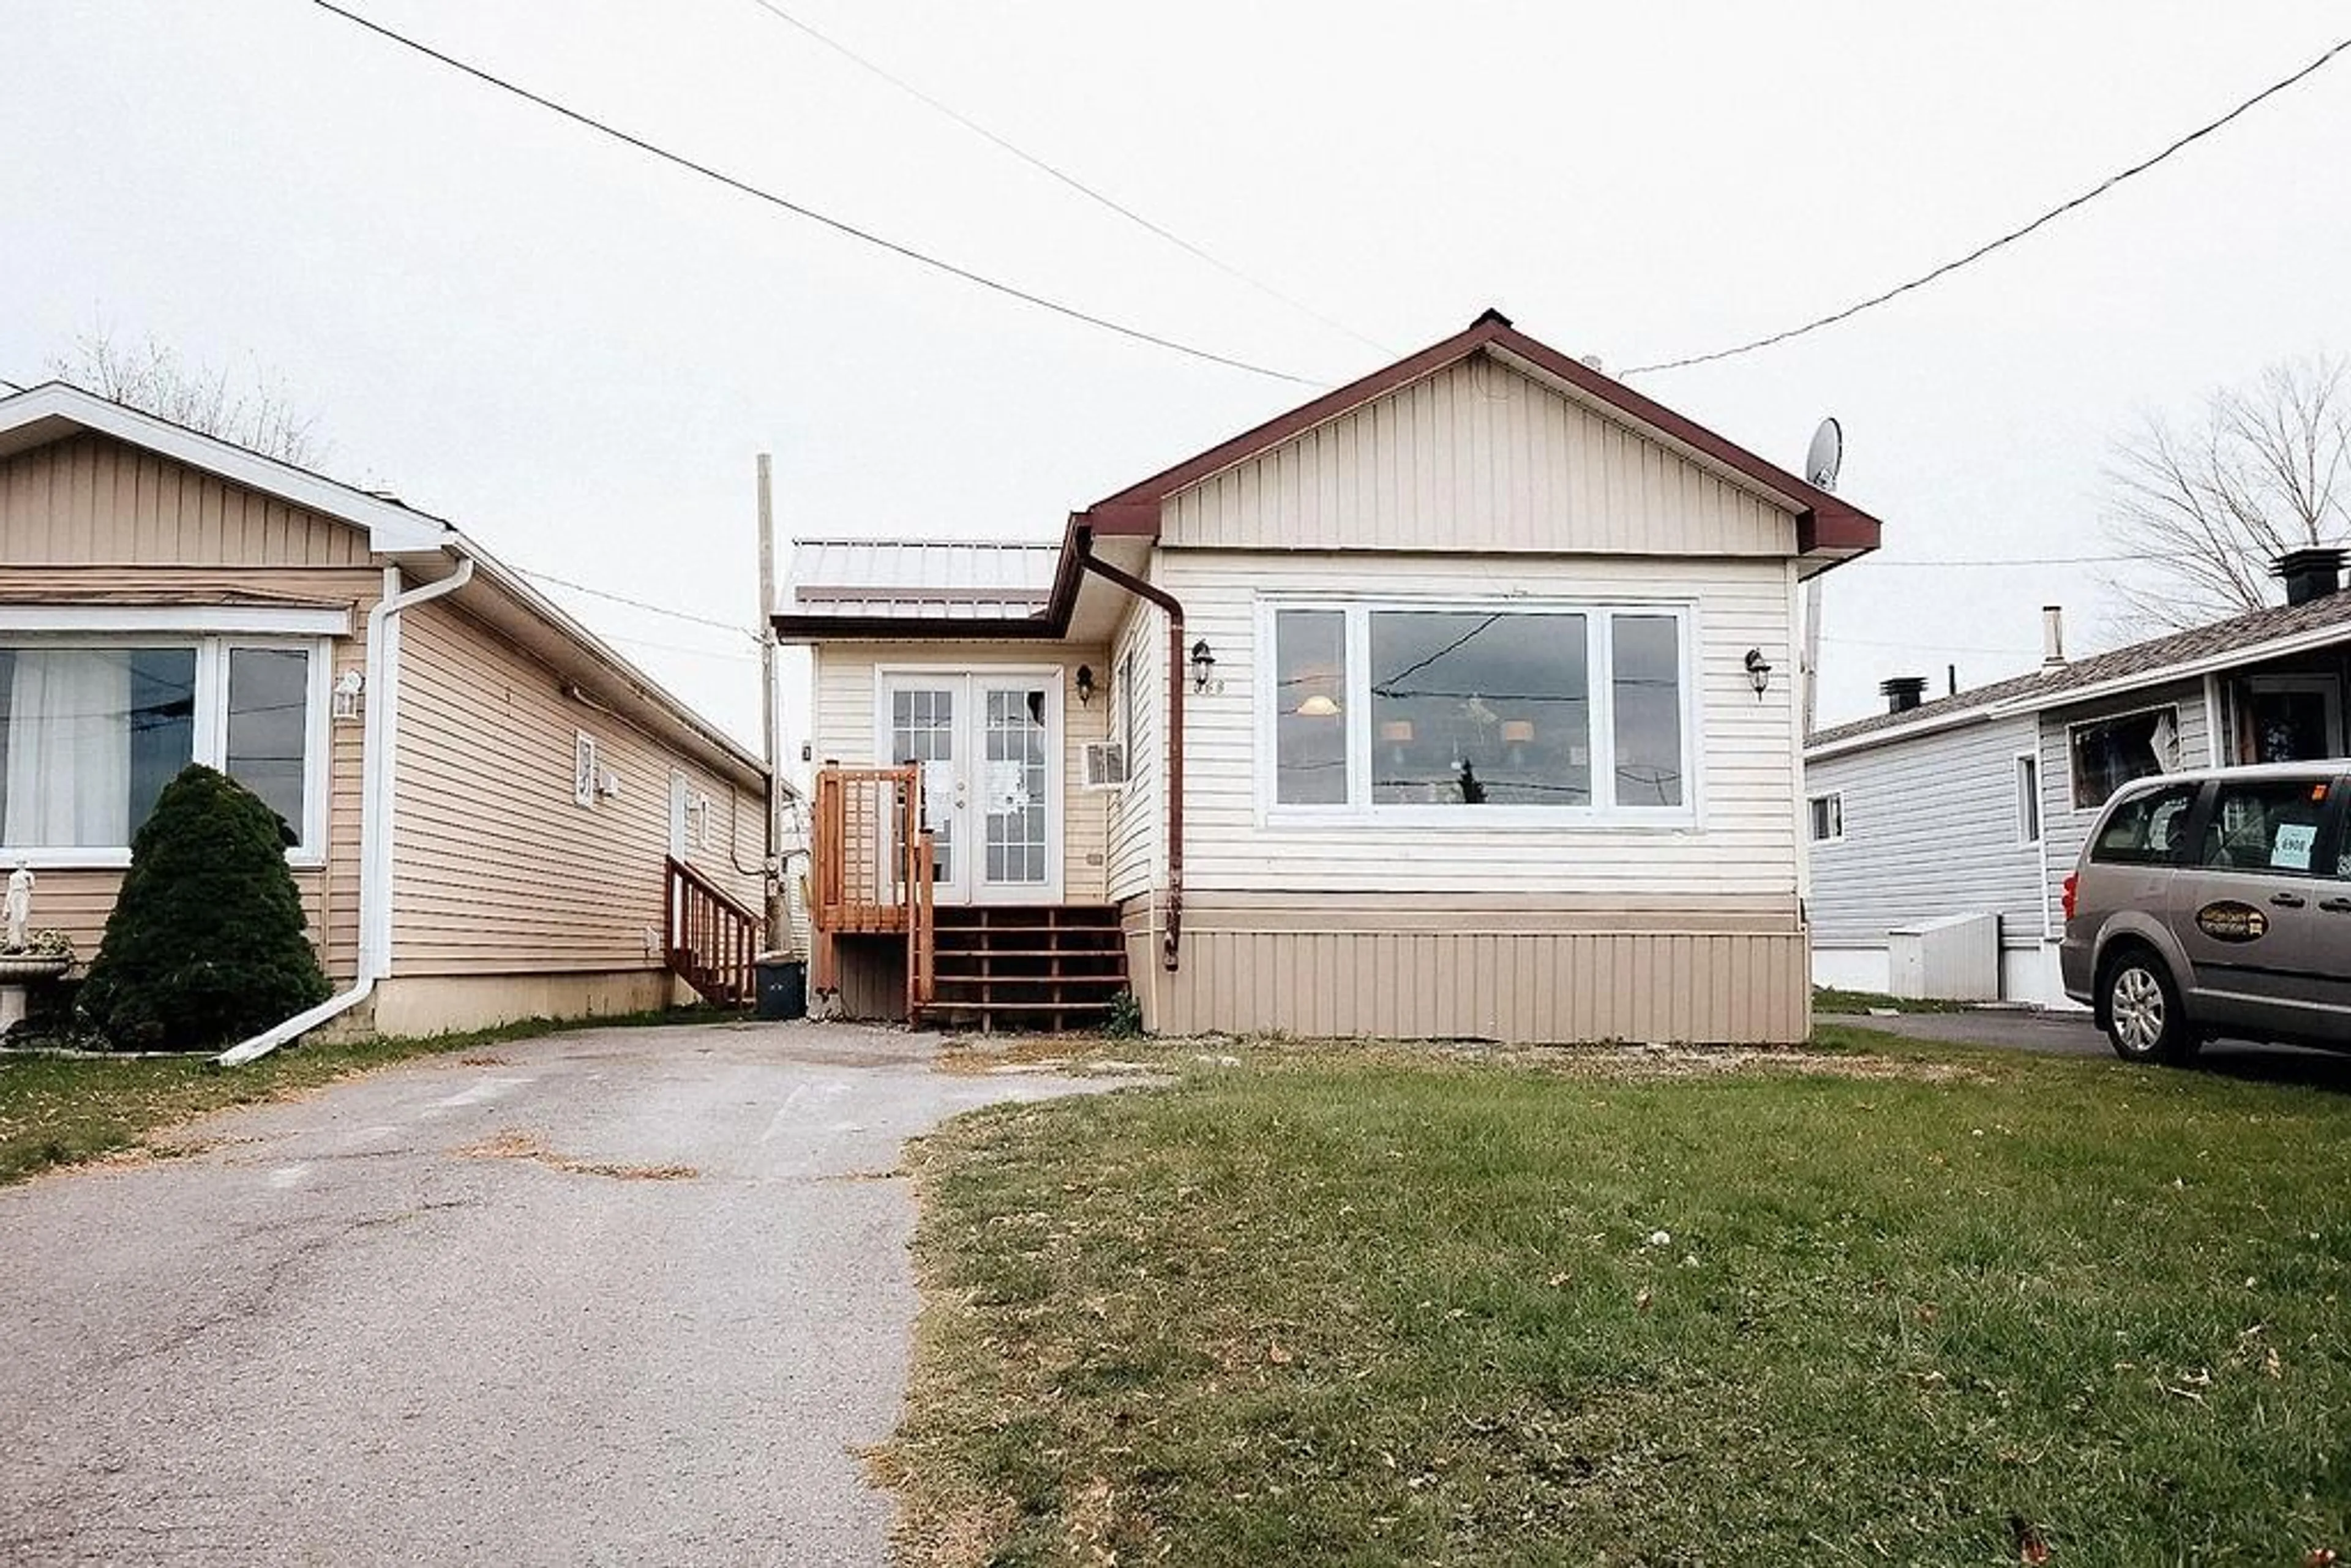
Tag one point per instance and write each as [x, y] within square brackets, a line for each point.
[1823, 523]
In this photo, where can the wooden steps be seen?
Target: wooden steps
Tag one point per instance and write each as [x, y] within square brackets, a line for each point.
[1031, 967]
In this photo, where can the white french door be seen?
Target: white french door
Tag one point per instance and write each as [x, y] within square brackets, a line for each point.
[988, 744]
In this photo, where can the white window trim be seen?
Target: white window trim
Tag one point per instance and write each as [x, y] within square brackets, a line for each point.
[208, 742]
[175, 621]
[2325, 687]
[1359, 810]
[585, 780]
[2072, 776]
[1811, 800]
[2040, 804]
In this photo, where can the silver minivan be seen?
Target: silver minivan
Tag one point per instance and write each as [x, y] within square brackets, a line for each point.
[2216, 903]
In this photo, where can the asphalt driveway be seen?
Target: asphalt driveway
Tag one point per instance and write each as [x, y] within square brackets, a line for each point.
[626, 1296]
[2068, 1032]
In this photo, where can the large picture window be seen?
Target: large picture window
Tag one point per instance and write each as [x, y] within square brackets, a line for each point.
[1381, 709]
[91, 732]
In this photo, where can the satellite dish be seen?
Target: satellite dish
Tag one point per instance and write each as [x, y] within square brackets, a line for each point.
[1821, 464]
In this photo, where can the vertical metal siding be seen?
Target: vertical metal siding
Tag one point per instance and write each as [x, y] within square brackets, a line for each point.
[89, 499]
[1476, 457]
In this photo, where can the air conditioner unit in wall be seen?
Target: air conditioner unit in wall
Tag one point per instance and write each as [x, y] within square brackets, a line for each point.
[1104, 764]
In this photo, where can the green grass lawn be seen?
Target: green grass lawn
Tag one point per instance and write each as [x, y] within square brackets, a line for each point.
[60, 1110]
[1368, 1307]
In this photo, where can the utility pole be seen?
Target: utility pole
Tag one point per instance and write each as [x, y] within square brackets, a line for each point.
[778, 905]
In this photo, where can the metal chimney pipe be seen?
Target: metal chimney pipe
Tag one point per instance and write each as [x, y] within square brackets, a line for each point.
[2052, 635]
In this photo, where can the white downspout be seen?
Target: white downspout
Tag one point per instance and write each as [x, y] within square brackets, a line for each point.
[382, 738]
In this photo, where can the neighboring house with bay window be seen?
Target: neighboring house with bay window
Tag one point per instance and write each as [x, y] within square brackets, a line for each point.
[1973, 809]
[488, 808]
[1456, 703]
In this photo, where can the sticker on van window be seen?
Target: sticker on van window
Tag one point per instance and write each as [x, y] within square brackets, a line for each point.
[2295, 842]
[2228, 921]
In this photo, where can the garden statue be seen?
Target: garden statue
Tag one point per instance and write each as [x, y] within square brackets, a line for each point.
[20, 904]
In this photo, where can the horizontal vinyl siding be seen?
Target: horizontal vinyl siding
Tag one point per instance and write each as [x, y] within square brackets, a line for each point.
[78, 900]
[1745, 843]
[2068, 829]
[494, 869]
[845, 713]
[1137, 813]
[1930, 829]
[1476, 457]
[91, 499]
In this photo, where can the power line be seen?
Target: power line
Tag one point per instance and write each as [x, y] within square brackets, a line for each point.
[13, 386]
[2052, 215]
[548, 576]
[1071, 180]
[865, 235]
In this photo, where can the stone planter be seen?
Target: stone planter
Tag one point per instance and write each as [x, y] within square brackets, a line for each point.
[17, 972]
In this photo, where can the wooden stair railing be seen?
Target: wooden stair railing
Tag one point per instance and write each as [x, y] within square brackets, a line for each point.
[709, 940]
[874, 864]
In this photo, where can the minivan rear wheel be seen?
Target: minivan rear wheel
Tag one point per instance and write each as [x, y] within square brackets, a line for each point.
[2145, 1021]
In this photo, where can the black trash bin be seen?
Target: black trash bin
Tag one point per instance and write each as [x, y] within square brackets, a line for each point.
[783, 985]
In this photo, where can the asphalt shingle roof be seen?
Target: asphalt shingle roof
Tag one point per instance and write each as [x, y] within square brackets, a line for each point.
[2149, 658]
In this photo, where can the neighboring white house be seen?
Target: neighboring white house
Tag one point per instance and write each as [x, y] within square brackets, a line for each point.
[1977, 803]
[1456, 703]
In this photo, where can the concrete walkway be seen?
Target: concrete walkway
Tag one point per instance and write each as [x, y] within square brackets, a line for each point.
[626, 1296]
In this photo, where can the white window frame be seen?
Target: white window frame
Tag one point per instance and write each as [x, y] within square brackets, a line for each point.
[208, 740]
[1359, 809]
[2030, 831]
[1811, 800]
[587, 768]
[2072, 773]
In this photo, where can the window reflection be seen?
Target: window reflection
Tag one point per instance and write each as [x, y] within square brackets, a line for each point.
[1480, 708]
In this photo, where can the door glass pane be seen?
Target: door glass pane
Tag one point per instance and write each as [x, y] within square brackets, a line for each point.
[2270, 826]
[269, 725]
[1013, 793]
[2286, 726]
[1471, 708]
[1310, 696]
[1647, 682]
[921, 730]
[89, 737]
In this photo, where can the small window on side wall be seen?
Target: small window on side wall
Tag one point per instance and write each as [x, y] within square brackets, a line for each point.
[1828, 818]
[2027, 800]
[583, 768]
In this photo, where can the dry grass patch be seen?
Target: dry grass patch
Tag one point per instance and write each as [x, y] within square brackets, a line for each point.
[515, 1145]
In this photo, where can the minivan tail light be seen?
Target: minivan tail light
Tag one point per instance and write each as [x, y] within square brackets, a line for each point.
[2073, 884]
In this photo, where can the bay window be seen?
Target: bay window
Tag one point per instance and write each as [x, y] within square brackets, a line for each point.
[92, 728]
[1378, 709]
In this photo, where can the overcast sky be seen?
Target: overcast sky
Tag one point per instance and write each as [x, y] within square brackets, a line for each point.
[574, 351]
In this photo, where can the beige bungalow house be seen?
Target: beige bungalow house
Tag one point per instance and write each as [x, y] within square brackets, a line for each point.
[495, 815]
[1456, 703]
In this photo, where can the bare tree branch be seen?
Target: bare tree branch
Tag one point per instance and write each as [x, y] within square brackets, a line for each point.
[2203, 513]
[152, 378]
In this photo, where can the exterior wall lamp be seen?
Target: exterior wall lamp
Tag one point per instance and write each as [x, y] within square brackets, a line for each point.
[1203, 666]
[1085, 683]
[1759, 671]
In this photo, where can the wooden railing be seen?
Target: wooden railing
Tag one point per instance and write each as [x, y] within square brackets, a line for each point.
[872, 868]
[709, 940]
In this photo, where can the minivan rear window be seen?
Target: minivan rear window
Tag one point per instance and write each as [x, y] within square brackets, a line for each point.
[2149, 830]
